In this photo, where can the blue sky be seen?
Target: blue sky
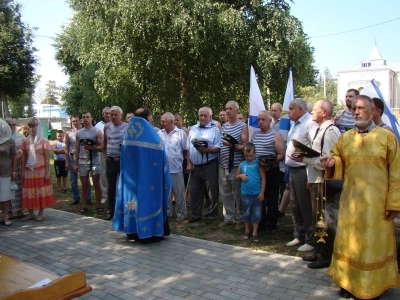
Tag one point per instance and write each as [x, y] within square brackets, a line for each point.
[319, 17]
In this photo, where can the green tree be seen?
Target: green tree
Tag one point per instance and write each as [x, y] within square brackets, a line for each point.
[178, 55]
[22, 106]
[52, 93]
[315, 92]
[17, 60]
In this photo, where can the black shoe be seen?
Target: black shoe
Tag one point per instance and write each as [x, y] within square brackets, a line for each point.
[74, 203]
[194, 220]
[318, 265]
[271, 228]
[132, 237]
[345, 294]
[281, 214]
[109, 217]
[153, 239]
[310, 258]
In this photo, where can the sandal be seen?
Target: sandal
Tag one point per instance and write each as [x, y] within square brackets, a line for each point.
[245, 236]
[83, 211]
[101, 211]
[255, 239]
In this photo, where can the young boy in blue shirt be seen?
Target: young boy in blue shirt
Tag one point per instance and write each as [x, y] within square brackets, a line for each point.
[253, 184]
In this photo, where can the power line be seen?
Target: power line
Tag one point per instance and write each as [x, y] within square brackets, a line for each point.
[44, 36]
[313, 37]
[318, 36]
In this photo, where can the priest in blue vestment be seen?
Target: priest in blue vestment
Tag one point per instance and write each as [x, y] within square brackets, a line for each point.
[144, 184]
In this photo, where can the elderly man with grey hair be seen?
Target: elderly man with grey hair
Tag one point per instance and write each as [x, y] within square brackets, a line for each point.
[103, 155]
[175, 143]
[114, 132]
[300, 197]
[204, 142]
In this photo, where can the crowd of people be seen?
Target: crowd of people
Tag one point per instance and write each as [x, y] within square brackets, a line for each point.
[139, 170]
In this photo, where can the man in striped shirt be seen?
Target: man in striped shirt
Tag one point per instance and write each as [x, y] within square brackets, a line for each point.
[114, 132]
[269, 142]
[229, 187]
[344, 118]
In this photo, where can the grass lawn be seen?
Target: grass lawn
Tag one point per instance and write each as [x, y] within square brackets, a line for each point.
[271, 242]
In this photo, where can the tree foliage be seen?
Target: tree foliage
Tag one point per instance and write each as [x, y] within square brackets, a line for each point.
[21, 106]
[17, 60]
[52, 93]
[175, 55]
[315, 92]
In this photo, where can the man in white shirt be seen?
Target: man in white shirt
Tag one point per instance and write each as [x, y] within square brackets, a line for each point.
[175, 143]
[300, 198]
[322, 140]
[103, 155]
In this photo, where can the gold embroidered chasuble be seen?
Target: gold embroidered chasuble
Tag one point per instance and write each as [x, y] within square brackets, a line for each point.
[364, 256]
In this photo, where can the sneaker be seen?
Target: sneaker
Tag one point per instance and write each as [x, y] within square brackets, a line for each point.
[295, 242]
[239, 226]
[305, 248]
[179, 219]
[225, 224]
[74, 203]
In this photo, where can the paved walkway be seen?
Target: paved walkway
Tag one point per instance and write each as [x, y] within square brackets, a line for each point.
[177, 268]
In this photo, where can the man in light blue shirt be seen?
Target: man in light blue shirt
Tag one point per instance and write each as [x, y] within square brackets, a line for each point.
[204, 142]
[175, 143]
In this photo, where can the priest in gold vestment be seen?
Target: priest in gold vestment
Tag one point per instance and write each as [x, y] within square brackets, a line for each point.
[368, 159]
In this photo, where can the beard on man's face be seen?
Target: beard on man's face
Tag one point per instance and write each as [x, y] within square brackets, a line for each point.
[362, 123]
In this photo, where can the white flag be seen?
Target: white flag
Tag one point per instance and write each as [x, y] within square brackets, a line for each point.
[388, 116]
[256, 104]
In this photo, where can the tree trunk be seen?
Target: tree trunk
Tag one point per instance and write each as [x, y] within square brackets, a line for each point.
[4, 104]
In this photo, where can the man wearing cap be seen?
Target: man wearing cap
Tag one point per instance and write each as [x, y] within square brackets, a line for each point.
[300, 198]
[204, 142]
[114, 132]
[231, 156]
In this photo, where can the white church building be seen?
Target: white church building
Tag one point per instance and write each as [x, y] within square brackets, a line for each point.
[386, 76]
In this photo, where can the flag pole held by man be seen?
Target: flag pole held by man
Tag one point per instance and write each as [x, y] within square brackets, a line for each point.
[367, 157]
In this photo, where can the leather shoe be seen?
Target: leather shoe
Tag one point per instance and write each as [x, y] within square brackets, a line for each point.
[194, 220]
[345, 294]
[310, 258]
[318, 265]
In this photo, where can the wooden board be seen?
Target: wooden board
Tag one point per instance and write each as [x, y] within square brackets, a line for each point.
[16, 277]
